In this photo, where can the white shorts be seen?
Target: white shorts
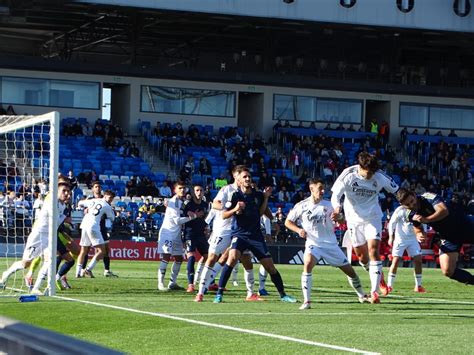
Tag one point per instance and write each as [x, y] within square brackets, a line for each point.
[219, 242]
[411, 246]
[331, 253]
[91, 237]
[36, 245]
[170, 243]
[361, 232]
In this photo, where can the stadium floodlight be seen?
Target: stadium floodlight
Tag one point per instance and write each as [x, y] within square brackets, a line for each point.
[29, 147]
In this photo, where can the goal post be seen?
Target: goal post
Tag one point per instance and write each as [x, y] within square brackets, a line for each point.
[29, 147]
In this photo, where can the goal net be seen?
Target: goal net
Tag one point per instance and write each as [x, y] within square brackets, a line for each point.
[28, 184]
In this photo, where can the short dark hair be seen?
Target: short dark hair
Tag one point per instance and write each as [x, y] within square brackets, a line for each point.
[109, 192]
[239, 169]
[368, 162]
[179, 183]
[315, 181]
[403, 193]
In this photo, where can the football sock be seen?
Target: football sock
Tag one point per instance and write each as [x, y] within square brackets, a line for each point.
[356, 285]
[162, 272]
[107, 263]
[206, 278]
[306, 285]
[418, 278]
[17, 265]
[217, 268]
[249, 281]
[92, 263]
[262, 277]
[197, 275]
[175, 271]
[462, 276]
[86, 259]
[375, 273]
[42, 274]
[365, 266]
[58, 261]
[66, 267]
[278, 282]
[235, 272]
[391, 279]
[226, 272]
[190, 269]
[78, 269]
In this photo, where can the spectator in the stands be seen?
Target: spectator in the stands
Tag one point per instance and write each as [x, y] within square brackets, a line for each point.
[72, 179]
[134, 151]
[426, 132]
[131, 186]
[148, 207]
[439, 134]
[312, 125]
[273, 162]
[415, 131]
[340, 127]
[384, 133]
[220, 181]
[165, 190]
[283, 162]
[284, 195]
[10, 111]
[351, 128]
[328, 127]
[297, 197]
[296, 161]
[419, 189]
[374, 126]
[452, 133]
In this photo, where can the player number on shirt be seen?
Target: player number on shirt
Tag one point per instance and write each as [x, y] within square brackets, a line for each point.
[96, 209]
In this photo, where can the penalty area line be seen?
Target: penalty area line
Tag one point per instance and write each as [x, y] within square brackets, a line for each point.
[221, 326]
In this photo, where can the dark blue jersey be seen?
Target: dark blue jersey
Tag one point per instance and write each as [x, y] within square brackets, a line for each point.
[195, 228]
[247, 224]
[456, 227]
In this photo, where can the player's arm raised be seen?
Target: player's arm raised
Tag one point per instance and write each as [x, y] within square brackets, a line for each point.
[176, 216]
[266, 195]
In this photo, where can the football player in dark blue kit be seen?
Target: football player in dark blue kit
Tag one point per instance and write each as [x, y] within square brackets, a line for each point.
[194, 234]
[247, 206]
[453, 226]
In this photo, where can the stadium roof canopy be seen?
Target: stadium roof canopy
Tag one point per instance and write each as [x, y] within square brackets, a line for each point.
[61, 30]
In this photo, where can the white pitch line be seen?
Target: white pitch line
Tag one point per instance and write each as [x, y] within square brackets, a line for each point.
[402, 297]
[324, 314]
[221, 326]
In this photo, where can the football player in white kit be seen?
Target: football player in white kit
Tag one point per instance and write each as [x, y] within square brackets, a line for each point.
[401, 237]
[169, 237]
[220, 241]
[315, 216]
[361, 184]
[37, 243]
[91, 233]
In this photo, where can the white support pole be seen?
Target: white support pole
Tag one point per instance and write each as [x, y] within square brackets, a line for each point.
[53, 191]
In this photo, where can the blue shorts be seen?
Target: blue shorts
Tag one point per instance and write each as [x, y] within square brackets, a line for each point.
[446, 246]
[257, 247]
[199, 244]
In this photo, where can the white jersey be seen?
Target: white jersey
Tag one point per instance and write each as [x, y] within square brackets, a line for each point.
[41, 224]
[96, 208]
[315, 219]
[173, 219]
[361, 202]
[400, 224]
[225, 196]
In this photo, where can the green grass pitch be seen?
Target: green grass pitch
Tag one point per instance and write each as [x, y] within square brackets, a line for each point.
[441, 320]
